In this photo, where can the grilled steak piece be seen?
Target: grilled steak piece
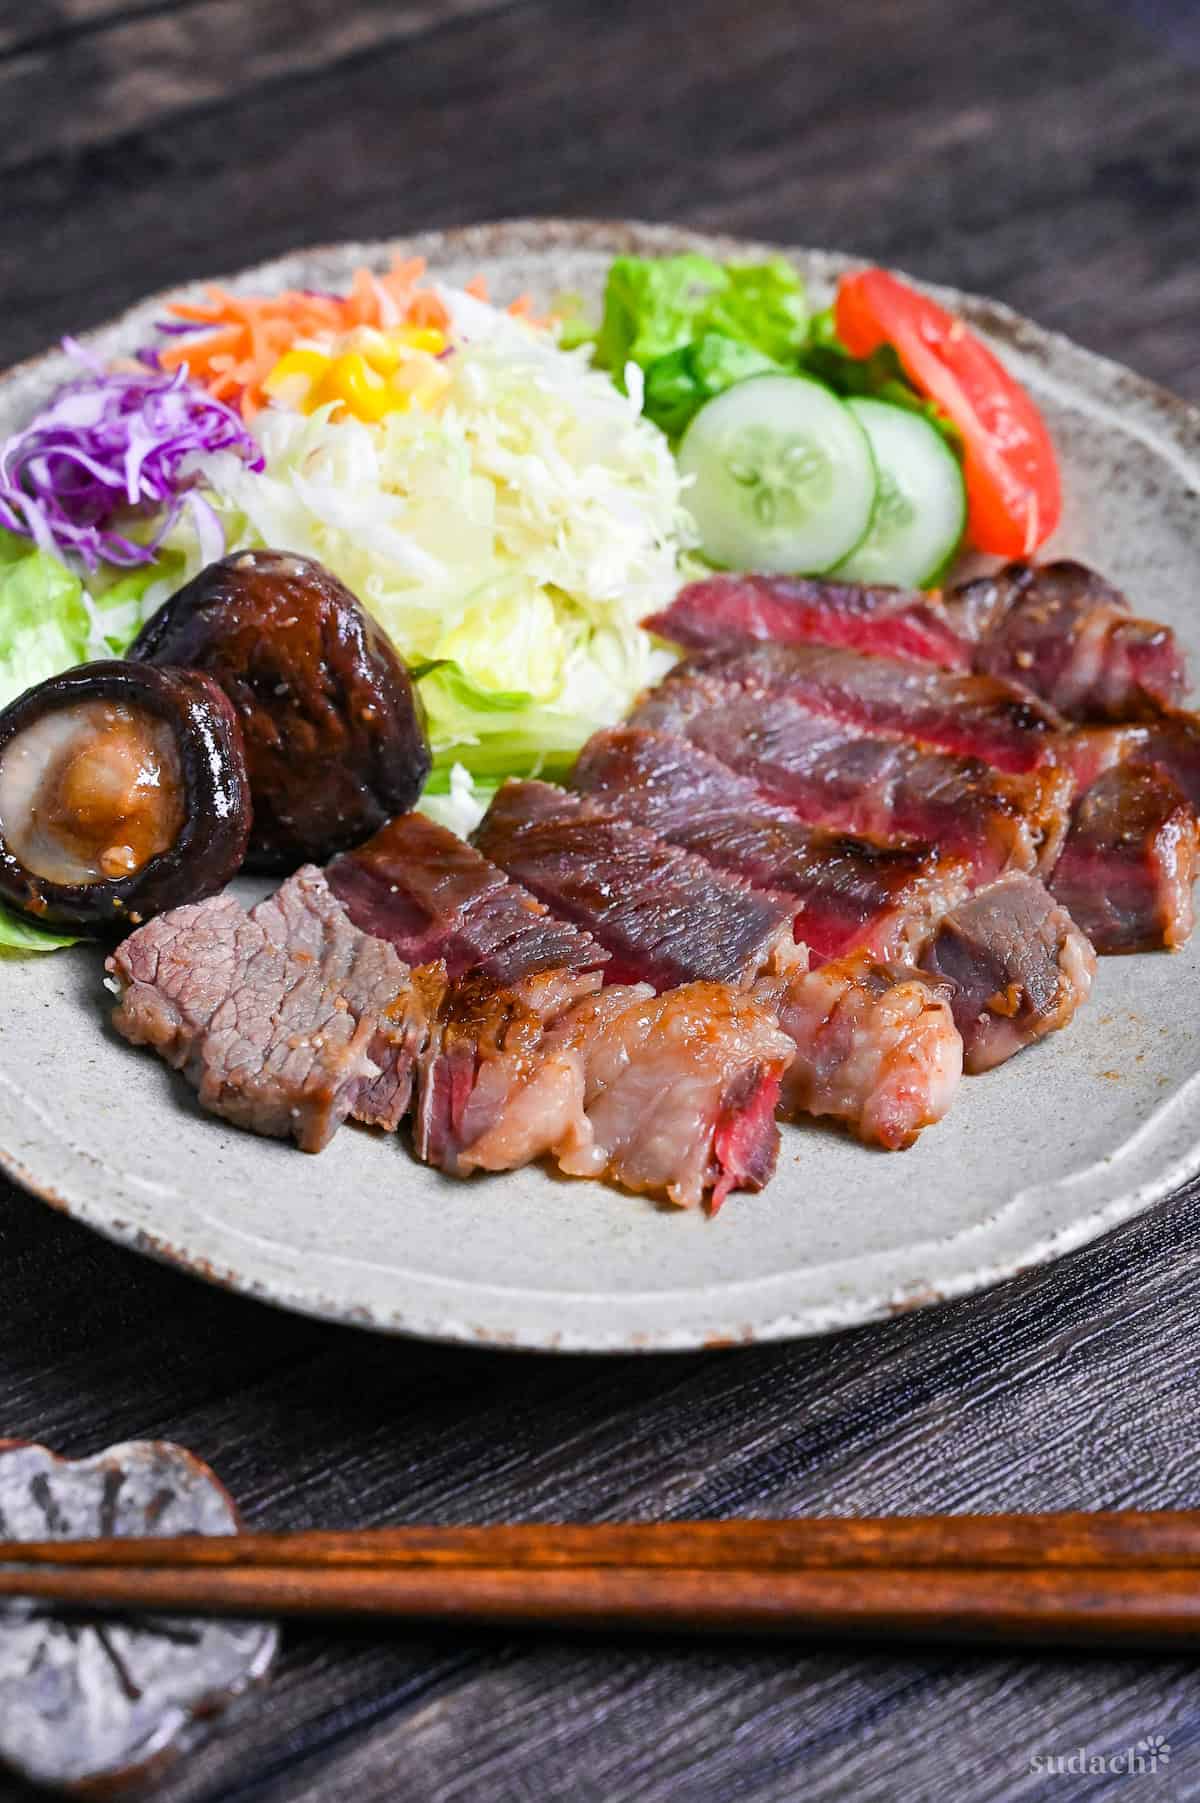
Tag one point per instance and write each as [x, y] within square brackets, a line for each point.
[277, 1018]
[681, 1094]
[669, 1095]
[848, 893]
[432, 896]
[1126, 870]
[1089, 751]
[976, 716]
[484, 1068]
[1019, 966]
[724, 612]
[876, 1047]
[835, 776]
[305, 916]
[665, 915]
[1068, 635]
[1171, 741]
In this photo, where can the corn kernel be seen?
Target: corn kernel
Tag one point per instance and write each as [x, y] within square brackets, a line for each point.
[380, 350]
[294, 376]
[421, 338]
[351, 381]
[298, 363]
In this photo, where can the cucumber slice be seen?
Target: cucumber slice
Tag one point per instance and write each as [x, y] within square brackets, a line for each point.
[921, 511]
[782, 476]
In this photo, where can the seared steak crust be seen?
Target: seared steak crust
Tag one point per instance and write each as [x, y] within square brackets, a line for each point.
[1067, 634]
[666, 916]
[974, 716]
[848, 893]
[432, 896]
[833, 775]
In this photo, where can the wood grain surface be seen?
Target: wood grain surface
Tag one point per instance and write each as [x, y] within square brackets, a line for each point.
[1048, 154]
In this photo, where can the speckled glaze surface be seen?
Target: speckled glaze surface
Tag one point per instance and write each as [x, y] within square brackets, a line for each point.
[1036, 1158]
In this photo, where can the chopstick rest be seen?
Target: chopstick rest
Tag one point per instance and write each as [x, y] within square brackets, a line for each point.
[96, 1703]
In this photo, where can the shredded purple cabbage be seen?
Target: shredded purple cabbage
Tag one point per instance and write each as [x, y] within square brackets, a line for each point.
[114, 443]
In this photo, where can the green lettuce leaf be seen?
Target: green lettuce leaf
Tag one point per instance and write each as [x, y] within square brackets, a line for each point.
[20, 935]
[44, 624]
[761, 304]
[656, 305]
[47, 623]
[494, 733]
[679, 384]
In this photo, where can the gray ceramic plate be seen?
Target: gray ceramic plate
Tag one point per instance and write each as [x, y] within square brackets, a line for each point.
[1038, 1157]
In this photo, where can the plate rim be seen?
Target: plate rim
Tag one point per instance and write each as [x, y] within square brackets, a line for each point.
[1164, 416]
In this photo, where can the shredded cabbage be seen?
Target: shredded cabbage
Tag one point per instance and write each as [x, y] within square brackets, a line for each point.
[455, 800]
[511, 541]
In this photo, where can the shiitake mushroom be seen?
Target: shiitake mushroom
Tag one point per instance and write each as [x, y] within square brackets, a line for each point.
[332, 723]
[123, 792]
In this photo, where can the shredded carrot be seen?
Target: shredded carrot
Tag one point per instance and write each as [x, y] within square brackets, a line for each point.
[478, 287]
[249, 333]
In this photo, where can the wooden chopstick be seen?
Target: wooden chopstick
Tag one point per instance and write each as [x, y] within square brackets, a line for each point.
[1140, 1538]
[1122, 1579]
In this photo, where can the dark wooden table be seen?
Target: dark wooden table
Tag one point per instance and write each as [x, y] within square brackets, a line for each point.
[1044, 151]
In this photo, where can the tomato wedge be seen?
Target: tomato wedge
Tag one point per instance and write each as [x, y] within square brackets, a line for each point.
[1014, 497]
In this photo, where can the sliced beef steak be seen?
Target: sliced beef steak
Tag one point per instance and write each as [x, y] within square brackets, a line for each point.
[1089, 751]
[1065, 633]
[1018, 964]
[484, 1071]
[876, 1047]
[848, 893]
[669, 1095]
[432, 896]
[278, 1018]
[666, 916]
[724, 612]
[1127, 868]
[1171, 741]
[975, 716]
[681, 1094]
[836, 776]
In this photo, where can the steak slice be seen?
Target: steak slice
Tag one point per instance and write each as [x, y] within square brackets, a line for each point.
[975, 716]
[484, 1070]
[668, 1095]
[1018, 965]
[306, 916]
[724, 612]
[1067, 634]
[665, 915]
[833, 775]
[1126, 870]
[1171, 741]
[876, 1047]
[848, 893]
[1089, 751]
[274, 1017]
[432, 896]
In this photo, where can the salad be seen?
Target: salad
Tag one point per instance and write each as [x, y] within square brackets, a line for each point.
[512, 496]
